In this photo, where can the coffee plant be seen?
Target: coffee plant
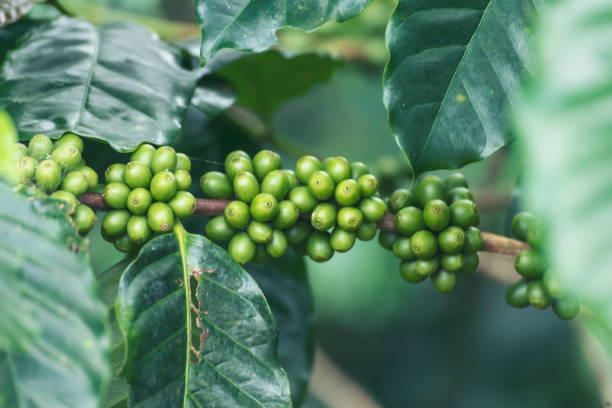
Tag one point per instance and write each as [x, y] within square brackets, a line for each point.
[106, 127]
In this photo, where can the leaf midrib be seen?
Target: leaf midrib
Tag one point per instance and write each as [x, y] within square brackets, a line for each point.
[90, 74]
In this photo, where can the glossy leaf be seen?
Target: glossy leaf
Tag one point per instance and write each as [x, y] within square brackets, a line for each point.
[251, 25]
[118, 83]
[198, 329]
[53, 339]
[566, 129]
[453, 67]
[12, 10]
[285, 284]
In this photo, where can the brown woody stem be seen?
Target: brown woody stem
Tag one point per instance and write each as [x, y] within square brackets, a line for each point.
[493, 243]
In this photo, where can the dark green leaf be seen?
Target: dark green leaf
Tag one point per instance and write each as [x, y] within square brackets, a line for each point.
[453, 67]
[285, 284]
[12, 10]
[53, 339]
[213, 95]
[251, 25]
[198, 330]
[118, 83]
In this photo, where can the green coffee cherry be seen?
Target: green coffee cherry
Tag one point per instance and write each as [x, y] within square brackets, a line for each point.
[318, 247]
[237, 214]
[84, 219]
[116, 195]
[236, 153]
[114, 224]
[124, 244]
[473, 241]
[530, 264]
[48, 175]
[305, 167]
[183, 204]
[516, 295]
[323, 217]
[358, 169]
[66, 197]
[40, 147]
[19, 150]
[341, 240]
[553, 285]
[264, 207]
[460, 193]
[291, 177]
[403, 250]
[409, 220]
[139, 200]
[143, 154]
[464, 214]
[304, 201]
[409, 273]
[386, 239]
[137, 174]
[287, 216]
[373, 209]
[246, 186]
[350, 218]
[566, 308]
[26, 169]
[219, 230]
[275, 183]
[164, 159]
[91, 176]
[348, 192]
[237, 165]
[216, 185]
[260, 232]
[368, 184]
[160, 217]
[399, 199]
[470, 264]
[455, 180]
[452, 263]
[430, 188]
[183, 162]
[70, 139]
[436, 215]
[183, 180]
[424, 244]
[278, 245]
[338, 168]
[444, 281]
[427, 267]
[536, 235]
[138, 229]
[264, 162]
[521, 223]
[298, 234]
[367, 231]
[241, 248]
[75, 182]
[538, 298]
[67, 156]
[261, 254]
[321, 185]
[115, 173]
[451, 240]
[163, 186]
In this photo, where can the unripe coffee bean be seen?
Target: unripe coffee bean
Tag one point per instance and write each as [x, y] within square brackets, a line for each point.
[246, 186]
[91, 176]
[473, 241]
[399, 199]
[553, 285]
[40, 147]
[139, 200]
[303, 199]
[124, 244]
[451, 240]
[338, 168]
[305, 167]
[260, 232]
[278, 245]
[367, 231]
[402, 249]
[350, 218]
[342, 240]
[75, 182]
[183, 180]
[455, 180]
[521, 223]
[538, 298]
[566, 308]
[138, 229]
[444, 281]
[219, 230]
[183, 162]
[427, 267]
[430, 188]
[470, 264]
[183, 204]
[291, 177]
[530, 264]
[26, 169]
[321, 185]
[318, 247]
[114, 224]
[48, 175]
[323, 217]
[216, 185]
[368, 184]
[160, 217]
[386, 239]
[116, 195]
[137, 174]
[67, 157]
[264, 162]
[287, 216]
[84, 219]
[163, 186]
[275, 183]
[460, 193]
[19, 150]
[264, 207]
[143, 154]
[424, 244]
[237, 214]
[66, 197]
[237, 165]
[241, 248]
[452, 263]
[358, 169]
[409, 220]
[464, 214]
[409, 273]
[516, 295]
[373, 209]
[70, 139]
[348, 192]
[115, 173]
[436, 215]
[164, 159]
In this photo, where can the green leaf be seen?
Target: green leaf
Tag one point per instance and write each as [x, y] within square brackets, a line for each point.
[251, 25]
[213, 95]
[285, 284]
[118, 83]
[198, 330]
[566, 126]
[12, 10]
[53, 338]
[264, 81]
[453, 67]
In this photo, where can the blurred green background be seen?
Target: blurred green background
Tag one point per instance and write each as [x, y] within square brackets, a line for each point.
[406, 346]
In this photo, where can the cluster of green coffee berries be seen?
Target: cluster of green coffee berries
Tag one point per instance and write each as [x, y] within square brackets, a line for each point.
[59, 170]
[437, 234]
[538, 287]
[146, 195]
[321, 208]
